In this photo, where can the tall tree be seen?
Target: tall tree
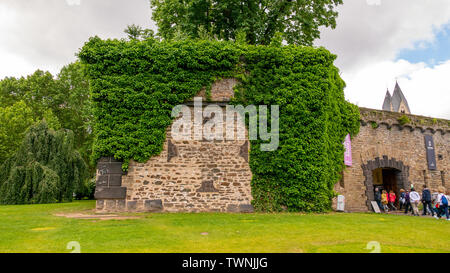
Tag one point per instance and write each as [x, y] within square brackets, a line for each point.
[45, 169]
[260, 20]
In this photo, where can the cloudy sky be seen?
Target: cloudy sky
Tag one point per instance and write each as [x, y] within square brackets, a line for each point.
[377, 43]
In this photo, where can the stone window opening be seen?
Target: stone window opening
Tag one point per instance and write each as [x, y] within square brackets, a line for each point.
[425, 180]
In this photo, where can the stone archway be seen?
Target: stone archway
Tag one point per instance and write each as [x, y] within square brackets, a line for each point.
[385, 162]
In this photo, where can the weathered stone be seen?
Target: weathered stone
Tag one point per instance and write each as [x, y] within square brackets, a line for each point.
[232, 208]
[110, 193]
[243, 152]
[121, 204]
[104, 168]
[153, 205]
[110, 204]
[100, 204]
[115, 180]
[207, 186]
[131, 205]
[172, 151]
[246, 208]
[102, 181]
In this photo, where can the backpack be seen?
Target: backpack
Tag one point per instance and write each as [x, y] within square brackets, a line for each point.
[444, 200]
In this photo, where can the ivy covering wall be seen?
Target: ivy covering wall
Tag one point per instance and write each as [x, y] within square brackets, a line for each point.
[135, 85]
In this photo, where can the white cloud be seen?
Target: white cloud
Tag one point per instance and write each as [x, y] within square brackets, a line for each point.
[427, 89]
[48, 33]
[14, 66]
[372, 33]
[367, 40]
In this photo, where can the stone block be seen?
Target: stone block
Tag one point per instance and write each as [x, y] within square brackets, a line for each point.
[246, 208]
[100, 204]
[110, 204]
[121, 204]
[102, 181]
[110, 193]
[232, 208]
[153, 205]
[115, 180]
[131, 205]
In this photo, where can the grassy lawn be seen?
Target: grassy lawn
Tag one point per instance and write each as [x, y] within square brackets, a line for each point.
[35, 228]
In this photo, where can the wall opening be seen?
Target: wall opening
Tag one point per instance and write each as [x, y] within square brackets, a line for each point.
[387, 179]
[385, 173]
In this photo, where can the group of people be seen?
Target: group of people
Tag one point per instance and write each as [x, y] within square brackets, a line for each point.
[435, 204]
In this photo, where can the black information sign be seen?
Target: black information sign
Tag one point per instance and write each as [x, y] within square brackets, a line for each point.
[431, 157]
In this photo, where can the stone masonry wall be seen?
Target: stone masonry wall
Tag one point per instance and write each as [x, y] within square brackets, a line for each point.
[191, 175]
[201, 175]
[387, 141]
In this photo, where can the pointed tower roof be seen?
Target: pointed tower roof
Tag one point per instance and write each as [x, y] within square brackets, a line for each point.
[398, 98]
[387, 101]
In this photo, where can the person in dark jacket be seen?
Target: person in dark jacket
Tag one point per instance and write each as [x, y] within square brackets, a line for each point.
[426, 201]
[402, 198]
[378, 198]
[408, 206]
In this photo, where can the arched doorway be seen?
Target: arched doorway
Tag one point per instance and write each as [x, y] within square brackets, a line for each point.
[388, 174]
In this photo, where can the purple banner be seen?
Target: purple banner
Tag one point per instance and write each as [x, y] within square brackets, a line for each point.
[348, 151]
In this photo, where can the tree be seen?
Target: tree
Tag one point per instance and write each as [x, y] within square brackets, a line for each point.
[14, 121]
[260, 20]
[45, 169]
[136, 32]
[37, 90]
[64, 101]
[74, 107]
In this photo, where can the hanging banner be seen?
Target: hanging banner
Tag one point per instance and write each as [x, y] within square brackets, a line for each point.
[348, 151]
[431, 157]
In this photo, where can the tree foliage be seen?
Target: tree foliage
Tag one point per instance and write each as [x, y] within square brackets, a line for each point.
[136, 32]
[260, 20]
[64, 101]
[136, 84]
[14, 121]
[45, 169]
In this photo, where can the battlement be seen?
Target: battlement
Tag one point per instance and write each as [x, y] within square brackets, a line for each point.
[376, 118]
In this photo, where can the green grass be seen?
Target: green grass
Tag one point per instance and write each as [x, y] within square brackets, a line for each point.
[34, 228]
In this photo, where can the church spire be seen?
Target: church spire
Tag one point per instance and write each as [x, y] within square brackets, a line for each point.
[397, 102]
[387, 101]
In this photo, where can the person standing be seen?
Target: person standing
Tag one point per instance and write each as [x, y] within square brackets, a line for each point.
[442, 200]
[384, 201]
[426, 201]
[392, 198]
[414, 199]
[407, 202]
[378, 198]
[402, 198]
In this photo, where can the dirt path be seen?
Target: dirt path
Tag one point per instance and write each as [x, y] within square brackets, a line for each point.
[95, 216]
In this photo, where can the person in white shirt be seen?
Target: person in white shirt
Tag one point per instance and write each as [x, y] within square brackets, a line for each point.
[414, 198]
